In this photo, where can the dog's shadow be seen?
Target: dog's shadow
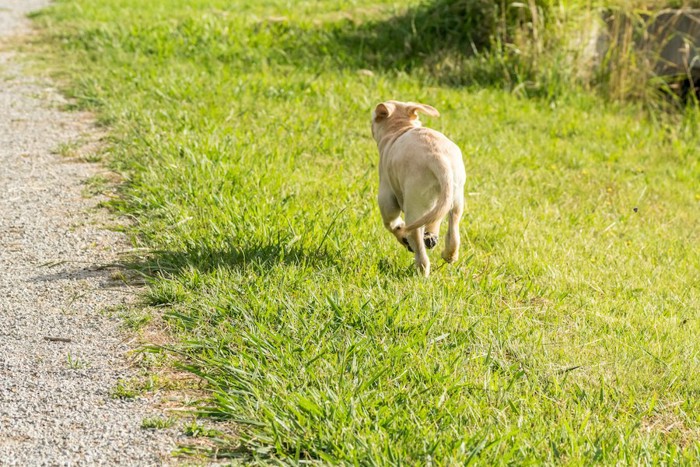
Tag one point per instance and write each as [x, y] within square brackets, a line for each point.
[259, 257]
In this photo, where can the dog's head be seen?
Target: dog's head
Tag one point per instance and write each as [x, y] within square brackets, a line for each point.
[392, 116]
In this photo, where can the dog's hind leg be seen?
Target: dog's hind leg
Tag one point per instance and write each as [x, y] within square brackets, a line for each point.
[391, 215]
[451, 251]
[415, 240]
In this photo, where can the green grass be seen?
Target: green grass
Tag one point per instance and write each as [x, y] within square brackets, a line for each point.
[566, 333]
[157, 423]
[76, 363]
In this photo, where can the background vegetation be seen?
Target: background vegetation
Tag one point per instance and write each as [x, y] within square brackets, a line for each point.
[567, 333]
[539, 47]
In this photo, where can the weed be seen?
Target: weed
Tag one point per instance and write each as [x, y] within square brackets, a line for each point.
[96, 185]
[157, 423]
[76, 363]
[125, 389]
[135, 319]
[68, 149]
[195, 429]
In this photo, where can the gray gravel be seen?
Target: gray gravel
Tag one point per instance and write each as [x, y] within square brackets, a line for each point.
[52, 411]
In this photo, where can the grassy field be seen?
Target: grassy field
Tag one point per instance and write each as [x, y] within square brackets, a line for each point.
[566, 333]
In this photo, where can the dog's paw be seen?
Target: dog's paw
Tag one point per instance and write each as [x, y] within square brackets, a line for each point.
[404, 240]
[450, 257]
[430, 240]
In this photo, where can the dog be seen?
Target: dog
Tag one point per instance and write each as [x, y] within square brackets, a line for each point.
[421, 173]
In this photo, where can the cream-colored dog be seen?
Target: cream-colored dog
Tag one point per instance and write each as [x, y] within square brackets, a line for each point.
[421, 173]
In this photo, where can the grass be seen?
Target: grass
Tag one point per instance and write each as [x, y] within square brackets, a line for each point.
[126, 389]
[76, 363]
[157, 423]
[566, 333]
[196, 430]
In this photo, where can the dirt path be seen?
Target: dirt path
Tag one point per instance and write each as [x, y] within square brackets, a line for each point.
[56, 404]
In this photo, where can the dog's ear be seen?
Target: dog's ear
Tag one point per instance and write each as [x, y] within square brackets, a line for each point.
[413, 110]
[383, 111]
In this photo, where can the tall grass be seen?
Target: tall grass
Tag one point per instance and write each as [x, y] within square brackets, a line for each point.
[615, 48]
[542, 47]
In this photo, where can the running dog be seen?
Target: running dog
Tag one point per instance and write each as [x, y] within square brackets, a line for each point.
[421, 173]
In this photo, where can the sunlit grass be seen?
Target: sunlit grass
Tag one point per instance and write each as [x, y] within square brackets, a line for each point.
[565, 333]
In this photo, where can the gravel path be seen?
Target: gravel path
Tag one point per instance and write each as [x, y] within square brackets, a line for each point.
[55, 403]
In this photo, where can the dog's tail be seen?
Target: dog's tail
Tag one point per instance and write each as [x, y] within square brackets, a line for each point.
[444, 201]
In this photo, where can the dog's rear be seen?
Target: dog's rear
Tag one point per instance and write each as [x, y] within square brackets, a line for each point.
[420, 173]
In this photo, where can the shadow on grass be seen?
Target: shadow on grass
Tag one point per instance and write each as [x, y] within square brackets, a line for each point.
[414, 38]
[446, 39]
[437, 37]
[205, 259]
